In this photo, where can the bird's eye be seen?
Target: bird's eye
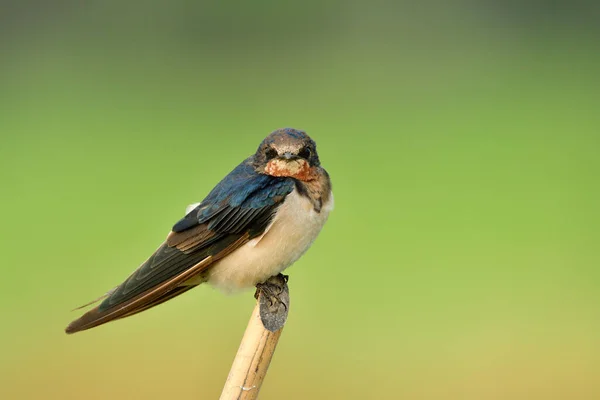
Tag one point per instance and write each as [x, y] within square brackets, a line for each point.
[304, 153]
[271, 153]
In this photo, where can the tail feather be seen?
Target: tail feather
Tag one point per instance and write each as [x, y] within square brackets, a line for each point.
[95, 317]
[95, 301]
[150, 298]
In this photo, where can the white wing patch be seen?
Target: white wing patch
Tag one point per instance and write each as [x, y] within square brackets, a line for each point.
[189, 208]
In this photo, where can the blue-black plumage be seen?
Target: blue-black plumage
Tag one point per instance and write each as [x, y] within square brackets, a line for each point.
[255, 223]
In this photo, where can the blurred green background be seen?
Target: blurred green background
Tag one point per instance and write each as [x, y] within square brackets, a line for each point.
[461, 261]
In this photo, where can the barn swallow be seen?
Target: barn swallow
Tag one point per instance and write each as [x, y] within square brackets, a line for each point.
[255, 223]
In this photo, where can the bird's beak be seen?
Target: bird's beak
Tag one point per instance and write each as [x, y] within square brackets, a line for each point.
[288, 156]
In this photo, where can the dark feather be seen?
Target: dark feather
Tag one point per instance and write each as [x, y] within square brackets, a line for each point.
[167, 296]
[239, 208]
[98, 316]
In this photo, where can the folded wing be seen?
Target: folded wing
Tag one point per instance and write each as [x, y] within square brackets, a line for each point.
[238, 209]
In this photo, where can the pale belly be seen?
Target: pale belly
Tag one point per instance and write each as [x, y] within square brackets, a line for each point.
[294, 228]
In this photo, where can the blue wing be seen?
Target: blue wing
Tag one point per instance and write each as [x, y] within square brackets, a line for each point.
[240, 201]
[239, 208]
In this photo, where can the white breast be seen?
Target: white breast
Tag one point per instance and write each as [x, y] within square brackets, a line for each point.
[294, 228]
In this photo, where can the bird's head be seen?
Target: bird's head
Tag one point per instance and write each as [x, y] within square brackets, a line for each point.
[287, 152]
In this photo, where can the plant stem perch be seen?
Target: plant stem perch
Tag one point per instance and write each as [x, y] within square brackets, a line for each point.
[258, 344]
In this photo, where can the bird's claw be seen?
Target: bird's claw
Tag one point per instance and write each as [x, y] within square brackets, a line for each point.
[274, 300]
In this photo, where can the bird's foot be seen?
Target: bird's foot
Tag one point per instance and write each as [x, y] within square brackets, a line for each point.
[274, 300]
[272, 288]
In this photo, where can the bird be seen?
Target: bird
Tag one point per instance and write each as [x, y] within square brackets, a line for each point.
[256, 222]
